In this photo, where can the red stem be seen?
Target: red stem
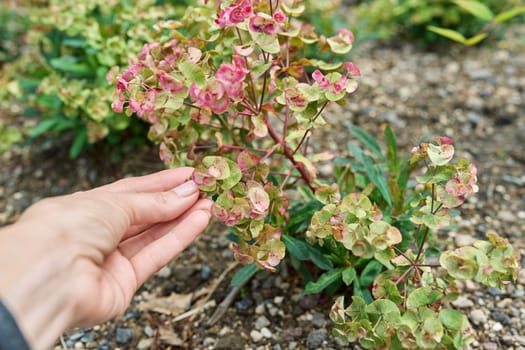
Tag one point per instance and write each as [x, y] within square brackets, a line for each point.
[288, 152]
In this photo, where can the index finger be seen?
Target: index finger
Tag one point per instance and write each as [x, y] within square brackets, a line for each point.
[161, 181]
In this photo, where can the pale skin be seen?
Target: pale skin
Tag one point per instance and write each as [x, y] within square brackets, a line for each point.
[77, 260]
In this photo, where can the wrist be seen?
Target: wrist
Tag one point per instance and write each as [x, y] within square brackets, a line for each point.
[34, 284]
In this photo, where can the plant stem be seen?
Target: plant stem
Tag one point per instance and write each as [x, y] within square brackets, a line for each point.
[425, 236]
[404, 275]
[288, 152]
[252, 84]
[309, 129]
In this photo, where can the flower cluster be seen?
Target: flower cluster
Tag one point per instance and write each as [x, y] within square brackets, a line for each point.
[356, 223]
[242, 83]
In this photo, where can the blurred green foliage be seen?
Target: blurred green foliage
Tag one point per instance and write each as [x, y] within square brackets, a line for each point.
[458, 20]
[60, 79]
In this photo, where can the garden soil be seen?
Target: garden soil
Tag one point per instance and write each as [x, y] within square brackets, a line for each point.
[476, 96]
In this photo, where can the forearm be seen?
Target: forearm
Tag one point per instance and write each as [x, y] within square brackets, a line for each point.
[33, 283]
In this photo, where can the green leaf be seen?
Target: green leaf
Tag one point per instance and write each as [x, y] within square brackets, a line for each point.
[323, 282]
[193, 73]
[243, 274]
[476, 8]
[448, 33]
[392, 150]
[44, 126]
[71, 65]
[422, 297]
[362, 292]
[337, 46]
[507, 15]
[78, 143]
[300, 216]
[319, 259]
[376, 175]
[370, 272]
[349, 275]
[368, 141]
[356, 151]
[453, 319]
[476, 39]
[296, 247]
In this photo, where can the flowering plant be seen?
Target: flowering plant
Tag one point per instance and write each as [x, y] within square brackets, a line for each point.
[230, 90]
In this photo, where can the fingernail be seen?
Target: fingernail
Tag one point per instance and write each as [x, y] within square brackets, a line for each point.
[186, 189]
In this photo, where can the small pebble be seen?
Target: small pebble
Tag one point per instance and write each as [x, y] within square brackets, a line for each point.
[261, 322]
[478, 317]
[123, 335]
[145, 343]
[260, 309]
[462, 302]
[316, 338]
[266, 333]
[205, 273]
[497, 327]
[256, 336]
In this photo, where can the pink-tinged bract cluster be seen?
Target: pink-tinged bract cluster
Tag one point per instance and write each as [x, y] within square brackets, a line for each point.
[226, 91]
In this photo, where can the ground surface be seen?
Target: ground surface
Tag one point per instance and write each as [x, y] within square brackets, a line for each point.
[476, 96]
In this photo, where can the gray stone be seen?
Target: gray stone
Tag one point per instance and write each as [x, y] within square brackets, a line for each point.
[266, 333]
[462, 302]
[490, 346]
[256, 336]
[319, 320]
[501, 317]
[494, 291]
[148, 331]
[145, 343]
[497, 327]
[316, 338]
[208, 341]
[261, 322]
[123, 335]
[205, 273]
[478, 317]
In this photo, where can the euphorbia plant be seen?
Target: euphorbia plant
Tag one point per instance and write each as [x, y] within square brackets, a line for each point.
[230, 90]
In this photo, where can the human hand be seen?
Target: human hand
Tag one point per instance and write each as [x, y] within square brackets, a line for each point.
[77, 260]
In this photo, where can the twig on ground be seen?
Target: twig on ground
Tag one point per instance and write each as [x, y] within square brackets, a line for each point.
[225, 304]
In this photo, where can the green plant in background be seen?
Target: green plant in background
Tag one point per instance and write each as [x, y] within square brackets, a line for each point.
[13, 25]
[72, 45]
[233, 92]
[465, 21]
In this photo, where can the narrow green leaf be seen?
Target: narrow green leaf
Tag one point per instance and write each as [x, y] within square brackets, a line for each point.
[319, 259]
[70, 65]
[243, 274]
[355, 151]
[300, 216]
[296, 247]
[44, 126]
[392, 150]
[370, 272]
[507, 15]
[476, 8]
[78, 143]
[448, 33]
[369, 141]
[476, 39]
[376, 175]
[323, 282]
